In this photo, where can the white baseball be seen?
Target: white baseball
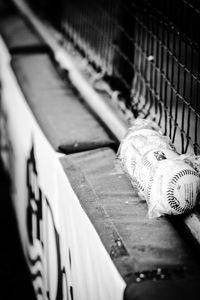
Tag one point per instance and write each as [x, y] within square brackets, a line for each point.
[174, 188]
[141, 150]
[145, 170]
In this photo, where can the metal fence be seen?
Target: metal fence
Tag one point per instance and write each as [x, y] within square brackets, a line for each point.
[147, 49]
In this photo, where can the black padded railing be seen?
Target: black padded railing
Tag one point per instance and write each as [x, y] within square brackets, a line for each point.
[146, 49]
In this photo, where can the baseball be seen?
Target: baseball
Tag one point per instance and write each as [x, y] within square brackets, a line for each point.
[136, 144]
[148, 164]
[173, 189]
[167, 182]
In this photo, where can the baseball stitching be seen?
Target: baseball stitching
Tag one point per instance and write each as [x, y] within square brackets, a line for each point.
[173, 202]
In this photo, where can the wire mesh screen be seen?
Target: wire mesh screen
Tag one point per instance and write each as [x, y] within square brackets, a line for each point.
[166, 65]
[100, 31]
[147, 49]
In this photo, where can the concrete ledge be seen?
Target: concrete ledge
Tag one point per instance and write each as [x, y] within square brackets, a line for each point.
[66, 121]
[18, 36]
[136, 244]
[106, 194]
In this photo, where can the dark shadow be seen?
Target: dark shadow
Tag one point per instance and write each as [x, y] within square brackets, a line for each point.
[15, 280]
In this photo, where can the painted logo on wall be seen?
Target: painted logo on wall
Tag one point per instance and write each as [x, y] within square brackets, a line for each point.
[49, 277]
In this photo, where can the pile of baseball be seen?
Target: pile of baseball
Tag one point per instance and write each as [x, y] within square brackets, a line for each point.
[169, 182]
